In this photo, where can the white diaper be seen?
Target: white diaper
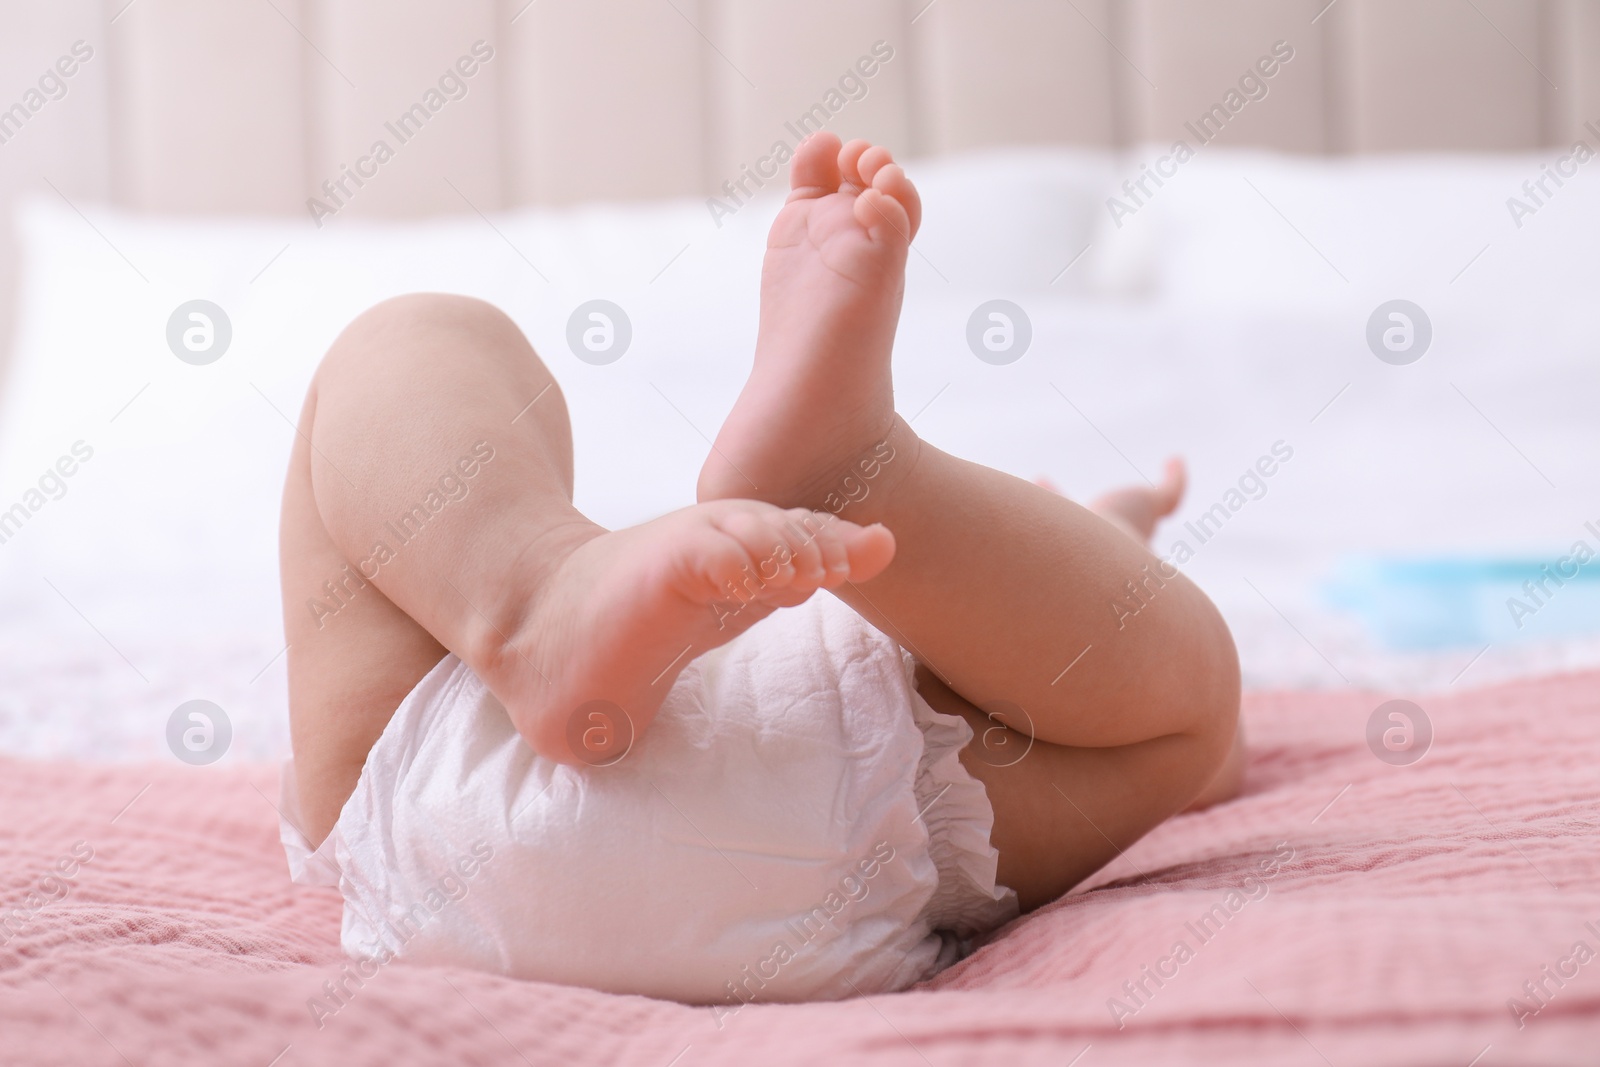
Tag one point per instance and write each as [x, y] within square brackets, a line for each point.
[793, 825]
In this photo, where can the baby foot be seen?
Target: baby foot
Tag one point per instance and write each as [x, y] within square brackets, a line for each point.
[1137, 508]
[820, 394]
[601, 641]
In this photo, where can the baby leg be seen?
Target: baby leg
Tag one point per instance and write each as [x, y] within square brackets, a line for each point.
[429, 508]
[1015, 601]
[1135, 510]
[1005, 592]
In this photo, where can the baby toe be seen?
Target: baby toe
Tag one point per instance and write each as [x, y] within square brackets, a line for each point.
[872, 160]
[882, 216]
[849, 162]
[891, 180]
[815, 169]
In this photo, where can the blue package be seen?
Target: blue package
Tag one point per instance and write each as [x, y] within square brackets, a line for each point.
[1417, 603]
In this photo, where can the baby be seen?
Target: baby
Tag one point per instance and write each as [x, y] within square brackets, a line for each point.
[650, 760]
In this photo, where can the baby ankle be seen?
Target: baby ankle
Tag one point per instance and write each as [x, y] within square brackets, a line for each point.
[860, 489]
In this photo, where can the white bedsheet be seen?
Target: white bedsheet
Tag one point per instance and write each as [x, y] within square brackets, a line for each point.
[1227, 315]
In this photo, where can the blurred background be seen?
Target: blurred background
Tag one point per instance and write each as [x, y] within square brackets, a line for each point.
[205, 107]
[1353, 238]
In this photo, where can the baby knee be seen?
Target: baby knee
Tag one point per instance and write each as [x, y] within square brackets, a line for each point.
[423, 312]
[1220, 698]
[387, 332]
[1212, 767]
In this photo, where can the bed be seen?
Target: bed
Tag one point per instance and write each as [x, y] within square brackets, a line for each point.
[1406, 905]
[1360, 903]
[1343, 910]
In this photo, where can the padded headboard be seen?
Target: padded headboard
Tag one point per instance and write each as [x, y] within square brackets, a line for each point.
[252, 105]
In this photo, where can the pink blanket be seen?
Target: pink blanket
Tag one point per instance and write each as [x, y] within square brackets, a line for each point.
[1344, 911]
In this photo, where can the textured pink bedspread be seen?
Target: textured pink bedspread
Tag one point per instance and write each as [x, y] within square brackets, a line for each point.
[1417, 903]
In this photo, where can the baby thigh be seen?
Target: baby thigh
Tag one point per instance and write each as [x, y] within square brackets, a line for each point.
[1061, 812]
